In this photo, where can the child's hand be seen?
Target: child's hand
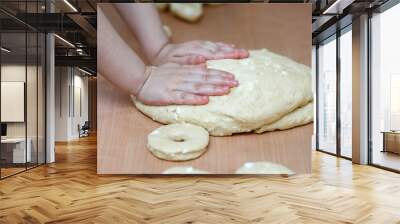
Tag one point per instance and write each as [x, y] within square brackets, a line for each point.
[197, 52]
[177, 84]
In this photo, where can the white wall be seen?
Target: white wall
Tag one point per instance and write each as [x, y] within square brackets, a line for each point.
[70, 83]
[16, 73]
[79, 117]
[12, 73]
[33, 126]
[62, 81]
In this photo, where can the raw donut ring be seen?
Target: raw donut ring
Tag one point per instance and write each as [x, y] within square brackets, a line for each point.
[178, 142]
[184, 170]
[263, 167]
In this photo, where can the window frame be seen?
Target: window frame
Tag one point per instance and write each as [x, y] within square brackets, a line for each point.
[381, 9]
[334, 37]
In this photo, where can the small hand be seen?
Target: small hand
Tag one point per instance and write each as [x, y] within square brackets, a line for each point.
[176, 84]
[197, 52]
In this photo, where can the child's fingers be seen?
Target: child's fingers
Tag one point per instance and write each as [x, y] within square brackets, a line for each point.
[190, 60]
[187, 98]
[221, 44]
[203, 89]
[235, 54]
[211, 79]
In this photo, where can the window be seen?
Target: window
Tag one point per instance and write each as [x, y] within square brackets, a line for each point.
[346, 92]
[385, 89]
[394, 102]
[334, 138]
[22, 101]
[327, 96]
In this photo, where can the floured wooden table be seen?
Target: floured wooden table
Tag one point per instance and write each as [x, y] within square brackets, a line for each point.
[122, 129]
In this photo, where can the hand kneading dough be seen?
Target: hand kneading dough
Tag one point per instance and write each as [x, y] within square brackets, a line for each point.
[184, 170]
[270, 86]
[178, 142]
[300, 116]
[264, 168]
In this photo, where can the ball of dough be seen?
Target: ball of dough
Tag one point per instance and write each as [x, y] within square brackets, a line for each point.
[190, 12]
[300, 116]
[264, 168]
[178, 142]
[184, 170]
[270, 86]
[167, 31]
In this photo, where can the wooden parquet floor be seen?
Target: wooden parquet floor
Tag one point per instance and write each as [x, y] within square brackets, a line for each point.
[69, 191]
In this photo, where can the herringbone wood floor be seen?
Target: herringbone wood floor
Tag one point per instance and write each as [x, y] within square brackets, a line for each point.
[69, 191]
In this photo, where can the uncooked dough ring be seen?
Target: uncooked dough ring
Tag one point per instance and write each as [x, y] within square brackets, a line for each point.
[184, 170]
[178, 142]
[264, 167]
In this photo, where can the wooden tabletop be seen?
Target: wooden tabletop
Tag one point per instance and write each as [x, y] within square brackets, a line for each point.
[123, 130]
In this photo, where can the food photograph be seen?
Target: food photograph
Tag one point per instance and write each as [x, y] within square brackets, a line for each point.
[238, 101]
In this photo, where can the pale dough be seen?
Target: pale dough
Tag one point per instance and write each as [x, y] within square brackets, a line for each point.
[167, 31]
[184, 170]
[190, 12]
[178, 142]
[270, 86]
[264, 168]
[300, 116]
